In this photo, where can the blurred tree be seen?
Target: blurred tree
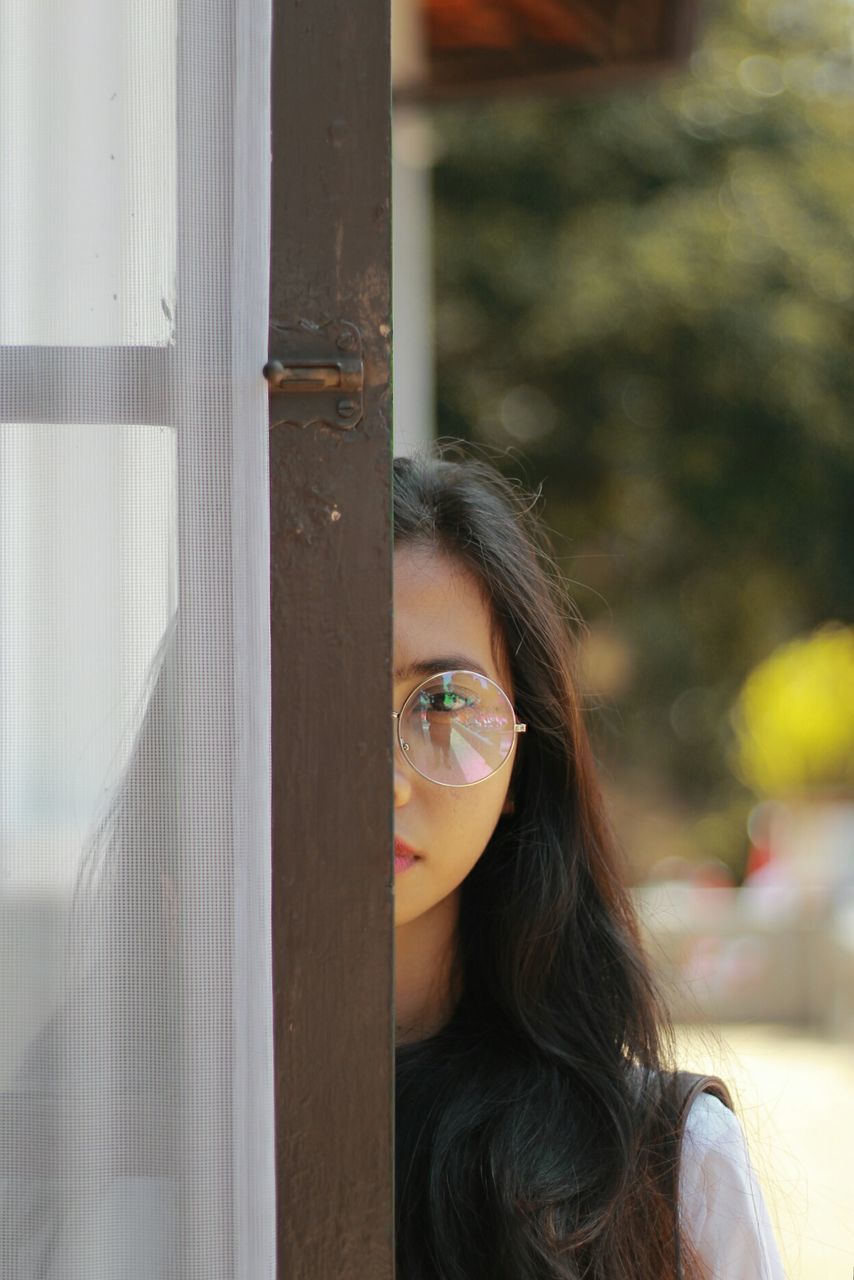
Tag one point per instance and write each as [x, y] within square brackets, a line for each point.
[647, 301]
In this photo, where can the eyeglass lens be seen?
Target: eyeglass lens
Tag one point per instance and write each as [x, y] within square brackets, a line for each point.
[457, 728]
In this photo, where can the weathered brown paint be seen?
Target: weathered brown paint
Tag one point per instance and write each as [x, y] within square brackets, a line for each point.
[331, 633]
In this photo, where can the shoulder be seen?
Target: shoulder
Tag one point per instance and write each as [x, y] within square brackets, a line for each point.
[721, 1205]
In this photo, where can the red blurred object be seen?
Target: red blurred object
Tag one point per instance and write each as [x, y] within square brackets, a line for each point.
[477, 46]
[484, 24]
[758, 858]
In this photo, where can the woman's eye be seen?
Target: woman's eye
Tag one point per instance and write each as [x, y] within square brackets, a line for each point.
[444, 700]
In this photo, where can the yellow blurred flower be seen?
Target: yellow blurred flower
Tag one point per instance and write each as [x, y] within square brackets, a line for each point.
[794, 717]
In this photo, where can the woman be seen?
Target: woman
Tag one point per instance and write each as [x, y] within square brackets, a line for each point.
[537, 1127]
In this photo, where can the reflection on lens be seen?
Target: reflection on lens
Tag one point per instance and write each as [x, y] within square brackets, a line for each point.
[457, 727]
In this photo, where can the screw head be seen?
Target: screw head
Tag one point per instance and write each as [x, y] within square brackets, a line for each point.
[346, 408]
[346, 340]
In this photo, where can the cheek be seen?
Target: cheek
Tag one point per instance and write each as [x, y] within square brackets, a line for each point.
[460, 825]
[470, 820]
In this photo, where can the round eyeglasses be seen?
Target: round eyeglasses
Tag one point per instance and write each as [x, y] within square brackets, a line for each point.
[457, 728]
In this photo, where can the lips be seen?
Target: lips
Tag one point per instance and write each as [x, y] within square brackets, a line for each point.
[404, 856]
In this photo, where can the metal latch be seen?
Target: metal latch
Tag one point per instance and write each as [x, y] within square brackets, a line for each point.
[317, 374]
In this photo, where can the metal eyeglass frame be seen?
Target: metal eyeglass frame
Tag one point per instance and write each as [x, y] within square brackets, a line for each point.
[518, 727]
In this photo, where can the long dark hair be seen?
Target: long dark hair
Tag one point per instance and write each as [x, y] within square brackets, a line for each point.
[535, 1129]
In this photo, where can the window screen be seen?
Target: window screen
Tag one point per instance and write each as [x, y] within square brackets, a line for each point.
[136, 1095]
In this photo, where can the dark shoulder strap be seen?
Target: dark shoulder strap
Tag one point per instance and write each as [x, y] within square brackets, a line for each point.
[687, 1086]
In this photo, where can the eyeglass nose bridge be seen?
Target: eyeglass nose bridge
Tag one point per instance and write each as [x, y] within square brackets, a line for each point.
[395, 715]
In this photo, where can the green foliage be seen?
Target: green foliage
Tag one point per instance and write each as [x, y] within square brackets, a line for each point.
[646, 299]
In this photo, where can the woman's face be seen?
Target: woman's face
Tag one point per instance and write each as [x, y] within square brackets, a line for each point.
[440, 616]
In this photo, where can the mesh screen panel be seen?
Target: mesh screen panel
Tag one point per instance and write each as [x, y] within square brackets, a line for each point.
[136, 1082]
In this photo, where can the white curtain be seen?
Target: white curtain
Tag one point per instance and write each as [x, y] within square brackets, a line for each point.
[136, 1077]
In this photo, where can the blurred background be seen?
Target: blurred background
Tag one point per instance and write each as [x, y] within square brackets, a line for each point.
[625, 273]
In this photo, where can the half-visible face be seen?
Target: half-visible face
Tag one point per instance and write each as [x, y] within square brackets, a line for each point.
[441, 622]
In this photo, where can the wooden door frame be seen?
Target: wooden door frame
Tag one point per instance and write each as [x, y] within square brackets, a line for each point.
[331, 648]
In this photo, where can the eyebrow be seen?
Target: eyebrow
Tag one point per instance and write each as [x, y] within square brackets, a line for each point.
[430, 666]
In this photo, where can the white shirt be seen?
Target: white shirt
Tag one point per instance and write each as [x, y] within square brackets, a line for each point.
[721, 1206]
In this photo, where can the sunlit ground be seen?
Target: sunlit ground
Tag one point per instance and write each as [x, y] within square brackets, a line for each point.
[795, 1094]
